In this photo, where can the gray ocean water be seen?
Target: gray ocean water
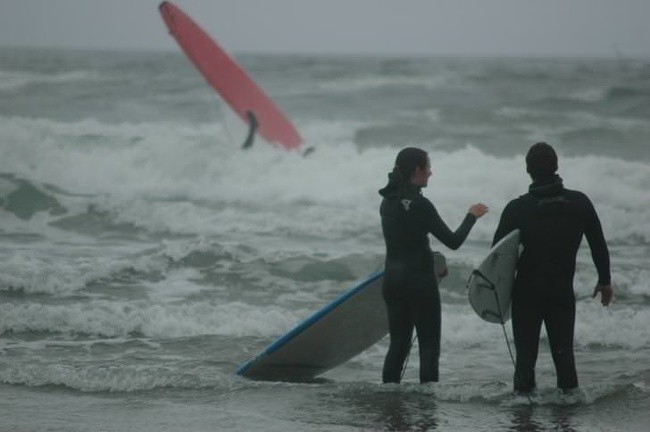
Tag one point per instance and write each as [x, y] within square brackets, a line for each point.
[144, 257]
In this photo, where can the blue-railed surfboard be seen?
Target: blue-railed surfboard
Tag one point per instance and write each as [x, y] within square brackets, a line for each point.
[347, 326]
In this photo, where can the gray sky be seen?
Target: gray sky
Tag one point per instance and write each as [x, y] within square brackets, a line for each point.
[461, 27]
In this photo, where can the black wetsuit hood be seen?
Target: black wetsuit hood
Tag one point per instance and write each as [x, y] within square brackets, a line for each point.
[396, 187]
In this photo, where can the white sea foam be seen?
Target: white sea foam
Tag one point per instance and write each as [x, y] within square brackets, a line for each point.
[17, 80]
[112, 378]
[159, 318]
[637, 284]
[376, 82]
[153, 175]
[55, 273]
[617, 326]
[592, 94]
[117, 319]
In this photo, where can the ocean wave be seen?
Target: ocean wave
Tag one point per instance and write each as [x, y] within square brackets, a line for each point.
[108, 378]
[171, 178]
[613, 97]
[630, 101]
[122, 375]
[635, 281]
[622, 93]
[619, 327]
[299, 207]
[23, 199]
[501, 394]
[17, 80]
[48, 135]
[433, 82]
[71, 271]
[616, 326]
[592, 94]
[167, 266]
[595, 326]
[139, 317]
[53, 272]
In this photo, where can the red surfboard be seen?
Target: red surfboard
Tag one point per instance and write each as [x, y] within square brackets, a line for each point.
[229, 79]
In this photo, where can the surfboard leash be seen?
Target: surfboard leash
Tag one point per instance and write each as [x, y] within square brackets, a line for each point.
[505, 335]
[408, 355]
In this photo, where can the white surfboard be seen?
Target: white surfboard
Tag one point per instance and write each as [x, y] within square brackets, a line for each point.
[347, 326]
[490, 285]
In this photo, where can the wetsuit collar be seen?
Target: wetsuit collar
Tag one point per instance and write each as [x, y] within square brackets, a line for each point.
[395, 187]
[546, 186]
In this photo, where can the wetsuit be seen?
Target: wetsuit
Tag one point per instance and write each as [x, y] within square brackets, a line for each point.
[410, 288]
[552, 221]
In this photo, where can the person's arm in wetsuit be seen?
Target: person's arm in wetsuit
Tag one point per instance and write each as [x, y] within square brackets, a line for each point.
[599, 252]
[597, 244]
[248, 143]
[436, 226]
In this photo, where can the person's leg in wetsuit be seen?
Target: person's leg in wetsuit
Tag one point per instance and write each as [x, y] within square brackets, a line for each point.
[559, 321]
[413, 301]
[426, 317]
[553, 303]
[527, 320]
[400, 328]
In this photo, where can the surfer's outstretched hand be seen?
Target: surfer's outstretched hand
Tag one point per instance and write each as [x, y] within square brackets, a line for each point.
[606, 293]
[478, 210]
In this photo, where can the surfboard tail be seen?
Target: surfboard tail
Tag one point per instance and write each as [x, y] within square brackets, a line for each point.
[489, 287]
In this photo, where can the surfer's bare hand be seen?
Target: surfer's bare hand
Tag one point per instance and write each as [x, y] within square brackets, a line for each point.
[606, 293]
[478, 210]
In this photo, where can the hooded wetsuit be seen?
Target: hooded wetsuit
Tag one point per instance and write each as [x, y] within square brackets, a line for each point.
[410, 288]
[552, 221]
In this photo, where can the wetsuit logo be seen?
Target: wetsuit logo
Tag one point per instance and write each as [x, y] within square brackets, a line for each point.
[551, 200]
[407, 204]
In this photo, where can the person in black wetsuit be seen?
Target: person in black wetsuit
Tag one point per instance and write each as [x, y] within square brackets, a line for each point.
[552, 221]
[410, 288]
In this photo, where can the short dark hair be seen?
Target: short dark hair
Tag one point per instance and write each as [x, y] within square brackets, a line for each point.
[408, 159]
[541, 161]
